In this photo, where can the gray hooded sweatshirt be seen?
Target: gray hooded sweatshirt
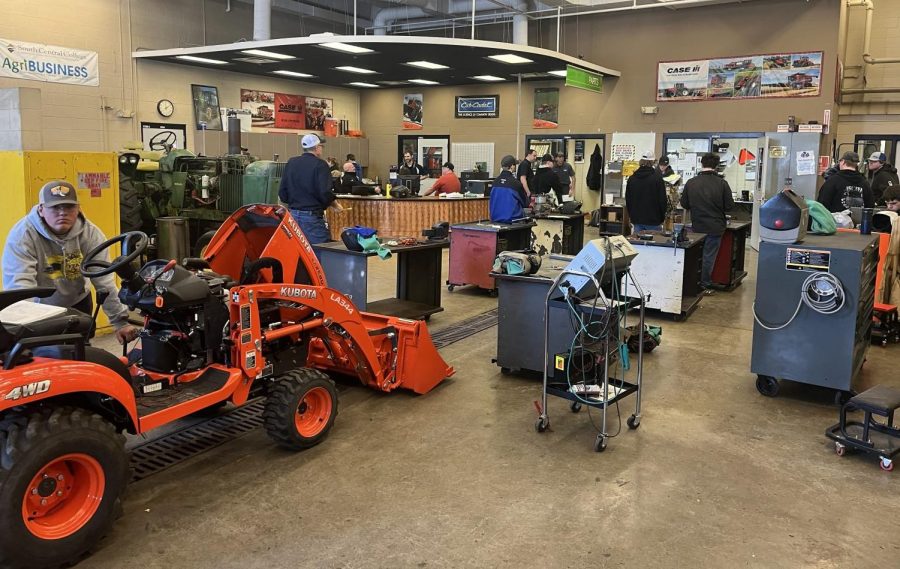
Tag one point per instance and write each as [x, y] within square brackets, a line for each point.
[35, 256]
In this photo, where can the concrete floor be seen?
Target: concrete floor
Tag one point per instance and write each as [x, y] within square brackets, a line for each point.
[716, 476]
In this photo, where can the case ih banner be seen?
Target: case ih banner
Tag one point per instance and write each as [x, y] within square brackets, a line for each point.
[282, 110]
[289, 111]
[49, 63]
[742, 77]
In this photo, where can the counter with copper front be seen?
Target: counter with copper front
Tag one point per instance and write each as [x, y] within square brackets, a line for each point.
[403, 217]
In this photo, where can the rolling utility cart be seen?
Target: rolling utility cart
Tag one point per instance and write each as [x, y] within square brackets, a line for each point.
[728, 271]
[474, 246]
[591, 364]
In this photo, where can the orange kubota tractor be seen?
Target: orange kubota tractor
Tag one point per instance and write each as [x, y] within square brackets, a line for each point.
[207, 339]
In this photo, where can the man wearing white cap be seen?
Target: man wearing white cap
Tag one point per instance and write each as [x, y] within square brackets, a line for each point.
[306, 189]
[881, 176]
[45, 249]
[645, 196]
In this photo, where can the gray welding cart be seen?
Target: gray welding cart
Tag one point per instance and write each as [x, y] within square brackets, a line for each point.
[813, 311]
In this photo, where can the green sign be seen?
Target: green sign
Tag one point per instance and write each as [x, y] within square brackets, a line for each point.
[583, 79]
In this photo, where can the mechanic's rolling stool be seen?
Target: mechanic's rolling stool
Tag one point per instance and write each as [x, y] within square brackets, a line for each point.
[869, 435]
[885, 324]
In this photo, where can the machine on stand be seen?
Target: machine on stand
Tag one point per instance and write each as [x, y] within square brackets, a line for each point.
[594, 287]
[814, 300]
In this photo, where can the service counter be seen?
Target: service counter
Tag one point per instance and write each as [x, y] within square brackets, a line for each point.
[403, 217]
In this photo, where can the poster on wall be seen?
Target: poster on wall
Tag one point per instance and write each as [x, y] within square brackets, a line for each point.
[261, 105]
[546, 108]
[741, 77]
[317, 110]
[579, 152]
[206, 107]
[163, 137]
[481, 107]
[48, 63]
[412, 111]
[290, 111]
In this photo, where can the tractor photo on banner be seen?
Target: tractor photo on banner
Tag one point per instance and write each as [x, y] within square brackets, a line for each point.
[546, 108]
[412, 111]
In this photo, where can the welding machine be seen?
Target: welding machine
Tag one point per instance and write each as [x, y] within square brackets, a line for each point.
[813, 310]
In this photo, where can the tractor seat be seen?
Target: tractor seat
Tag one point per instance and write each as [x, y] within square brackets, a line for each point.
[71, 322]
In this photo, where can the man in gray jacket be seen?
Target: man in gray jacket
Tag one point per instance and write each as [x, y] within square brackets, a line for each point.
[46, 248]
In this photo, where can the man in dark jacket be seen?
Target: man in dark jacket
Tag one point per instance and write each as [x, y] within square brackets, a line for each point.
[708, 197]
[846, 188]
[881, 176]
[306, 189]
[546, 179]
[524, 173]
[645, 196]
[508, 199]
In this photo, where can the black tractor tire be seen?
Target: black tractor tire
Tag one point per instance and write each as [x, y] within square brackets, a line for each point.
[201, 244]
[130, 207]
[91, 453]
[301, 408]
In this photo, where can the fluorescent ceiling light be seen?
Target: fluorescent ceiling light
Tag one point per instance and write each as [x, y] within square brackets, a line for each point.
[423, 81]
[201, 59]
[427, 65]
[510, 58]
[352, 69]
[558, 72]
[264, 53]
[292, 73]
[345, 47]
[362, 84]
[488, 78]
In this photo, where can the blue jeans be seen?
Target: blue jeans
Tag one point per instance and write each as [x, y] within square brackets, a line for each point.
[313, 226]
[710, 252]
[638, 227]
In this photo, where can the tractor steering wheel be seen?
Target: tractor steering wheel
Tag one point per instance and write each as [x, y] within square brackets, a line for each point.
[134, 243]
[163, 140]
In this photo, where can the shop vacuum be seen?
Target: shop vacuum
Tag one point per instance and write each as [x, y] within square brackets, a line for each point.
[814, 300]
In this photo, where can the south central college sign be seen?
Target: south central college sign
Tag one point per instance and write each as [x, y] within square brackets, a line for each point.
[482, 107]
[50, 63]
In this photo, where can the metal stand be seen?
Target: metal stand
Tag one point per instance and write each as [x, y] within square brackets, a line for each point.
[626, 388]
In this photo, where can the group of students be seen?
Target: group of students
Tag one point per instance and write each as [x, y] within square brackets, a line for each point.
[512, 192]
[707, 195]
[846, 187]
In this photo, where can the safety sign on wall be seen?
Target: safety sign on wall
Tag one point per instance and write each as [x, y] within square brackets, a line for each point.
[49, 63]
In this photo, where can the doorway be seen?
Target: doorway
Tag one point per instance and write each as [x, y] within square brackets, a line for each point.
[430, 151]
[577, 149]
[866, 144]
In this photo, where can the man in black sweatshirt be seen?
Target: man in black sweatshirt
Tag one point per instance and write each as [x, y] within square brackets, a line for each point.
[546, 180]
[645, 196]
[708, 196]
[881, 176]
[846, 188]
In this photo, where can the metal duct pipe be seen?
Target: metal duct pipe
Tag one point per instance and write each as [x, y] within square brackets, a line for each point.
[520, 24]
[384, 18]
[870, 90]
[234, 134]
[262, 20]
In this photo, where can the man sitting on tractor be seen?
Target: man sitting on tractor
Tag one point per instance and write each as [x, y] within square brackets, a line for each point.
[46, 247]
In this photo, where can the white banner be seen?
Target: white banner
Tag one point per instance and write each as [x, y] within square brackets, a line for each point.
[682, 80]
[50, 63]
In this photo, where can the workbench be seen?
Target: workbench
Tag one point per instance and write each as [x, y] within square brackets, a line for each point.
[559, 233]
[402, 217]
[418, 277]
[474, 246]
[729, 270]
[669, 273]
[520, 320]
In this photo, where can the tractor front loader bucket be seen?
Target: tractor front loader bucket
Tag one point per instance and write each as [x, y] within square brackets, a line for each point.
[419, 366]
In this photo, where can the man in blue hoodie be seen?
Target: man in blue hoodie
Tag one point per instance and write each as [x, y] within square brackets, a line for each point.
[46, 248]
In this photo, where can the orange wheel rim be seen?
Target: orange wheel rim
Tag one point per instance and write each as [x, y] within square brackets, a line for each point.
[63, 496]
[313, 412]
